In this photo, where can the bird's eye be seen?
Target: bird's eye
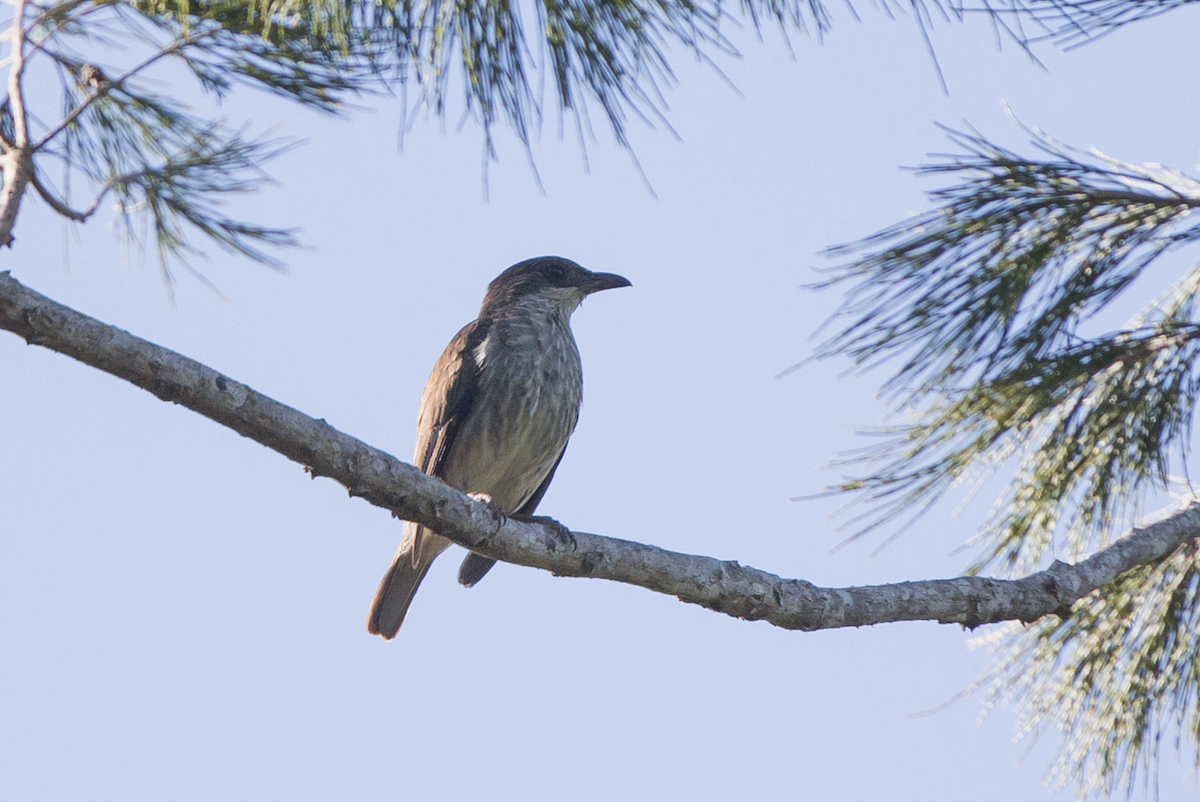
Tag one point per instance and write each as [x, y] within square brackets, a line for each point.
[556, 273]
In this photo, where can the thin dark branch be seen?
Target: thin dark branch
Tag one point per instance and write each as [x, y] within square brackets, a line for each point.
[115, 83]
[721, 585]
[62, 208]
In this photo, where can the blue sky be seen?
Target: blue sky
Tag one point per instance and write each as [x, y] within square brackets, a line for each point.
[182, 611]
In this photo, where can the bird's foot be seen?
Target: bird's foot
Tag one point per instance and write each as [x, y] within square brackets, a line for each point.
[498, 515]
[559, 534]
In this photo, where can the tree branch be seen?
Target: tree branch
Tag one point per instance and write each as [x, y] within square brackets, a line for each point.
[723, 586]
[60, 207]
[17, 162]
[16, 74]
[105, 86]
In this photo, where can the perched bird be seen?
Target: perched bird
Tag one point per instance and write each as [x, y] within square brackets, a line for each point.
[497, 412]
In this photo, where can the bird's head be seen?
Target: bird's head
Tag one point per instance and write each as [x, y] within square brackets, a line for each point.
[550, 279]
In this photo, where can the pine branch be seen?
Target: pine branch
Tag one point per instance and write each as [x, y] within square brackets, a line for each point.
[165, 165]
[983, 302]
[1014, 257]
[988, 303]
[102, 86]
[1114, 679]
[1069, 22]
[720, 585]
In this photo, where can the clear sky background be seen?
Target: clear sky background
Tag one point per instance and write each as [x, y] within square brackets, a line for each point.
[182, 611]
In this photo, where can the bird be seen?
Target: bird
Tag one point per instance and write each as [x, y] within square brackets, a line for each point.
[496, 414]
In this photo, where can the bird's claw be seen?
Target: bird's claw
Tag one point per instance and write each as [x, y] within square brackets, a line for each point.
[500, 516]
[559, 534]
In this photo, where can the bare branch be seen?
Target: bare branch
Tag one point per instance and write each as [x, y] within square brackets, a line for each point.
[17, 167]
[16, 163]
[720, 585]
[61, 208]
[16, 94]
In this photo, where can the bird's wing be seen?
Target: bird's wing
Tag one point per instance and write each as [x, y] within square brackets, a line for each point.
[445, 403]
[531, 503]
[447, 399]
[448, 396]
[474, 566]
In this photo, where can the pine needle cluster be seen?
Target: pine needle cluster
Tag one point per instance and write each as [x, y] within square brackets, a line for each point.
[993, 306]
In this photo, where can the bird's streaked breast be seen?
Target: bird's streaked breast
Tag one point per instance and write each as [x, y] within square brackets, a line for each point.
[526, 406]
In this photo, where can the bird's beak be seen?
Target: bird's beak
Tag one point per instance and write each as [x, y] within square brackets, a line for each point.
[605, 281]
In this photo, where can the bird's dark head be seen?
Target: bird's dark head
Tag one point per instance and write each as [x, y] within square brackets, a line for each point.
[549, 279]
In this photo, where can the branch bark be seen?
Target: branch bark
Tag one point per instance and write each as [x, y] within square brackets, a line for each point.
[721, 585]
[16, 163]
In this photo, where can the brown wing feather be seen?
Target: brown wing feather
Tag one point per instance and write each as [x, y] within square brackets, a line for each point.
[447, 399]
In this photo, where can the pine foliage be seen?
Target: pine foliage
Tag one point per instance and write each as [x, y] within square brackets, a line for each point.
[993, 305]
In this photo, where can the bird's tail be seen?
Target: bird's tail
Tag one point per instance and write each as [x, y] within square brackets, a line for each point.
[417, 551]
[473, 567]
